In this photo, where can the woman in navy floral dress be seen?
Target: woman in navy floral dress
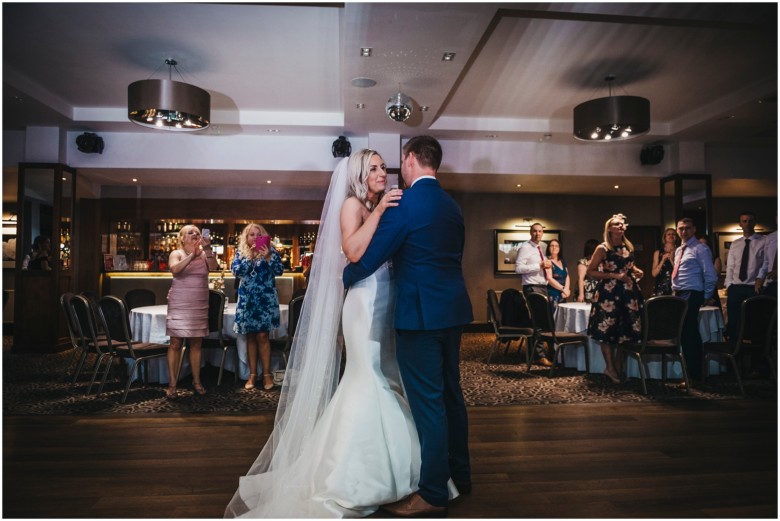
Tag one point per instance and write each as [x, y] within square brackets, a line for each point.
[616, 314]
[257, 311]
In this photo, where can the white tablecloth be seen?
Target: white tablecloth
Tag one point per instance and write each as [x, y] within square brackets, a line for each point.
[148, 325]
[573, 317]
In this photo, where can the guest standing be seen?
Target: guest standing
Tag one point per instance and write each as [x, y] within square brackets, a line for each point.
[586, 286]
[768, 273]
[663, 263]
[746, 256]
[693, 279]
[188, 303]
[531, 264]
[257, 311]
[557, 275]
[616, 315]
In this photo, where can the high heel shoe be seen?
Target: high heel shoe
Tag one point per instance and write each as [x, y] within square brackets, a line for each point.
[268, 386]
[170, 392]
[250, 384]
[199, 388]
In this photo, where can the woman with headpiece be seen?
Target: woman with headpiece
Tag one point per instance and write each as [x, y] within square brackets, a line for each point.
[616, 314]
[340, 451]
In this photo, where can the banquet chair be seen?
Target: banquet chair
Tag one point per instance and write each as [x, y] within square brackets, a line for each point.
[74, 333]
[544, 329]
[139, 297]
[507, 333]
[115, 316]
[662, 323]
[216, 338]
[759, 315]
[85, 332]
[283, 345]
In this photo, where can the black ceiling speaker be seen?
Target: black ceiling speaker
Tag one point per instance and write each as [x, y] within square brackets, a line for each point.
[90, 143]
[652, 155]
[341, 147]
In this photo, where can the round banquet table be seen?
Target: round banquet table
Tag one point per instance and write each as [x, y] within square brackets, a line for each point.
[573, 317]
[148, 325]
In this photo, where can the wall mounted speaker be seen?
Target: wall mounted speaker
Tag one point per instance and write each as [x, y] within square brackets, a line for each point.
[90, 143]
[652, 155]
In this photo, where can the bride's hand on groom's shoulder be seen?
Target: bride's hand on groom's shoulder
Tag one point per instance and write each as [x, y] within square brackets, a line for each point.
[389, 200]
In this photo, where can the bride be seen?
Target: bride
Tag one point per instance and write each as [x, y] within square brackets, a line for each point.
[340, 451]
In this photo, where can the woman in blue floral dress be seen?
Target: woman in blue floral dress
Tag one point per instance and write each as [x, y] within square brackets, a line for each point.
[616, 314]
[257, 311]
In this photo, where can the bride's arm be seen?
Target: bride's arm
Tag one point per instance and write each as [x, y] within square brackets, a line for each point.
[356, 233]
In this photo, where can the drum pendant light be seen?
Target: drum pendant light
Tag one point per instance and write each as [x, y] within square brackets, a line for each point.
[168, 104]
[614, 118]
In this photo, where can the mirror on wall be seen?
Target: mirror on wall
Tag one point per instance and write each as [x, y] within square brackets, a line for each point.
[687, 195]
[37, 231]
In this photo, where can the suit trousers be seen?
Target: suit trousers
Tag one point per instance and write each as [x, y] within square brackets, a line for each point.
[735, 295]
[430, 369]
[691, 338]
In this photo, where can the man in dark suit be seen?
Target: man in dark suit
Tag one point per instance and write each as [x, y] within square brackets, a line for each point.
[424, 236]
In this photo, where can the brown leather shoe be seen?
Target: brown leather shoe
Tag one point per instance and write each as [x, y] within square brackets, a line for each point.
[414, 506]
[543, 361]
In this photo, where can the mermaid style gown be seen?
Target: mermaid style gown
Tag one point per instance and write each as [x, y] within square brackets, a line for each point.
[364, 450]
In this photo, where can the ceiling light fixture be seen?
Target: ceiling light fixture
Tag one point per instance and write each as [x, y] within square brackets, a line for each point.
[448, 57]
[399, 107]
[168, 104]
[365, 52]
[613, 118]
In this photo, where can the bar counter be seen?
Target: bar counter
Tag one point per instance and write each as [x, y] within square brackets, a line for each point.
[120, 282]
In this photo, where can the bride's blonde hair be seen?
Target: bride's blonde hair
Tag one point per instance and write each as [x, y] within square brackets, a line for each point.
[244, 248]
[358, 168]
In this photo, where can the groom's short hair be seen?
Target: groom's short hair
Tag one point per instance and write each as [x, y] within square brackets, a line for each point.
[426, 149]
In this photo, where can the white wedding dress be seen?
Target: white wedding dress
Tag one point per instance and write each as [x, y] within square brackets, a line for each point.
[364, 450]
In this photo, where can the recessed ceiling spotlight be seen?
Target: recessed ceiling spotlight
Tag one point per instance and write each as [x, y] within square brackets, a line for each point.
[617, 186]
[491, 136]
[268, 182]
[519, 185]
[272, 130]
[424, 108]
[18, 98]
[365, 52]
[135, 179]
[448, 56]
[360, 105]
[363, 82]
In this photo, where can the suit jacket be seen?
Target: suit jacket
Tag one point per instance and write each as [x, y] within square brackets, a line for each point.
[424, 236]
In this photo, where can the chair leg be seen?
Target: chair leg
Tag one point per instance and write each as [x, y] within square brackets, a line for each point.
[642, 373]
[221, 367]
[130, 377]
[685, 373]
[78, 369]
[181, 362]
[496, 345]
[95, 372]
[737, 375]
[105, 376]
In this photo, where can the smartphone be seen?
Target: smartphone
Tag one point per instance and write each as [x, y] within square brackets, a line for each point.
[263, 241]
[206, 233]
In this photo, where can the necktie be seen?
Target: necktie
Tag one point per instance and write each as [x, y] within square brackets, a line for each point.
[541, 255]
[743, 265]
[677, 263]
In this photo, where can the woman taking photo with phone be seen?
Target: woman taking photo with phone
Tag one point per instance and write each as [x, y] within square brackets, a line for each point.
[257, 264]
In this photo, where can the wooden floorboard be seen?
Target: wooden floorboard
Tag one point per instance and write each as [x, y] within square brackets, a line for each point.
[687, 459]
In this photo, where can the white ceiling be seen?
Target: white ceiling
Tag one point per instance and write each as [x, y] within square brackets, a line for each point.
[709, 70]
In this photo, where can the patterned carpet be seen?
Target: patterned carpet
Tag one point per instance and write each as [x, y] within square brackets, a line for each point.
[36, 385]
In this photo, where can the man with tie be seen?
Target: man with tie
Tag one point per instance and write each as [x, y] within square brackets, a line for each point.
[693, 279]
[746, 256]
[531, 265]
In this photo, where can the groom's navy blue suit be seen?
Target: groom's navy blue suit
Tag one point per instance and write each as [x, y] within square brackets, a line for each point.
[424, 236]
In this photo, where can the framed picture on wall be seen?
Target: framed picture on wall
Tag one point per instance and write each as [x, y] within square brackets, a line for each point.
[108, 262]
[505, 246]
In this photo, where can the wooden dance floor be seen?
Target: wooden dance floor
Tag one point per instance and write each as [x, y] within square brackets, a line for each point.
[693, 458]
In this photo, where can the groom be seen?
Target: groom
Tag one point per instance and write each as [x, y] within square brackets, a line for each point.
[424, 237]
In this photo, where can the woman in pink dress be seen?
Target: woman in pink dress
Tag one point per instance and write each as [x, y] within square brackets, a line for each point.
[188, 303]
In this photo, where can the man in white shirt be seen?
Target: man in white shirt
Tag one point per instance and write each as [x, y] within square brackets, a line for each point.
[531, 265]
[745, 259]
[767, 275]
